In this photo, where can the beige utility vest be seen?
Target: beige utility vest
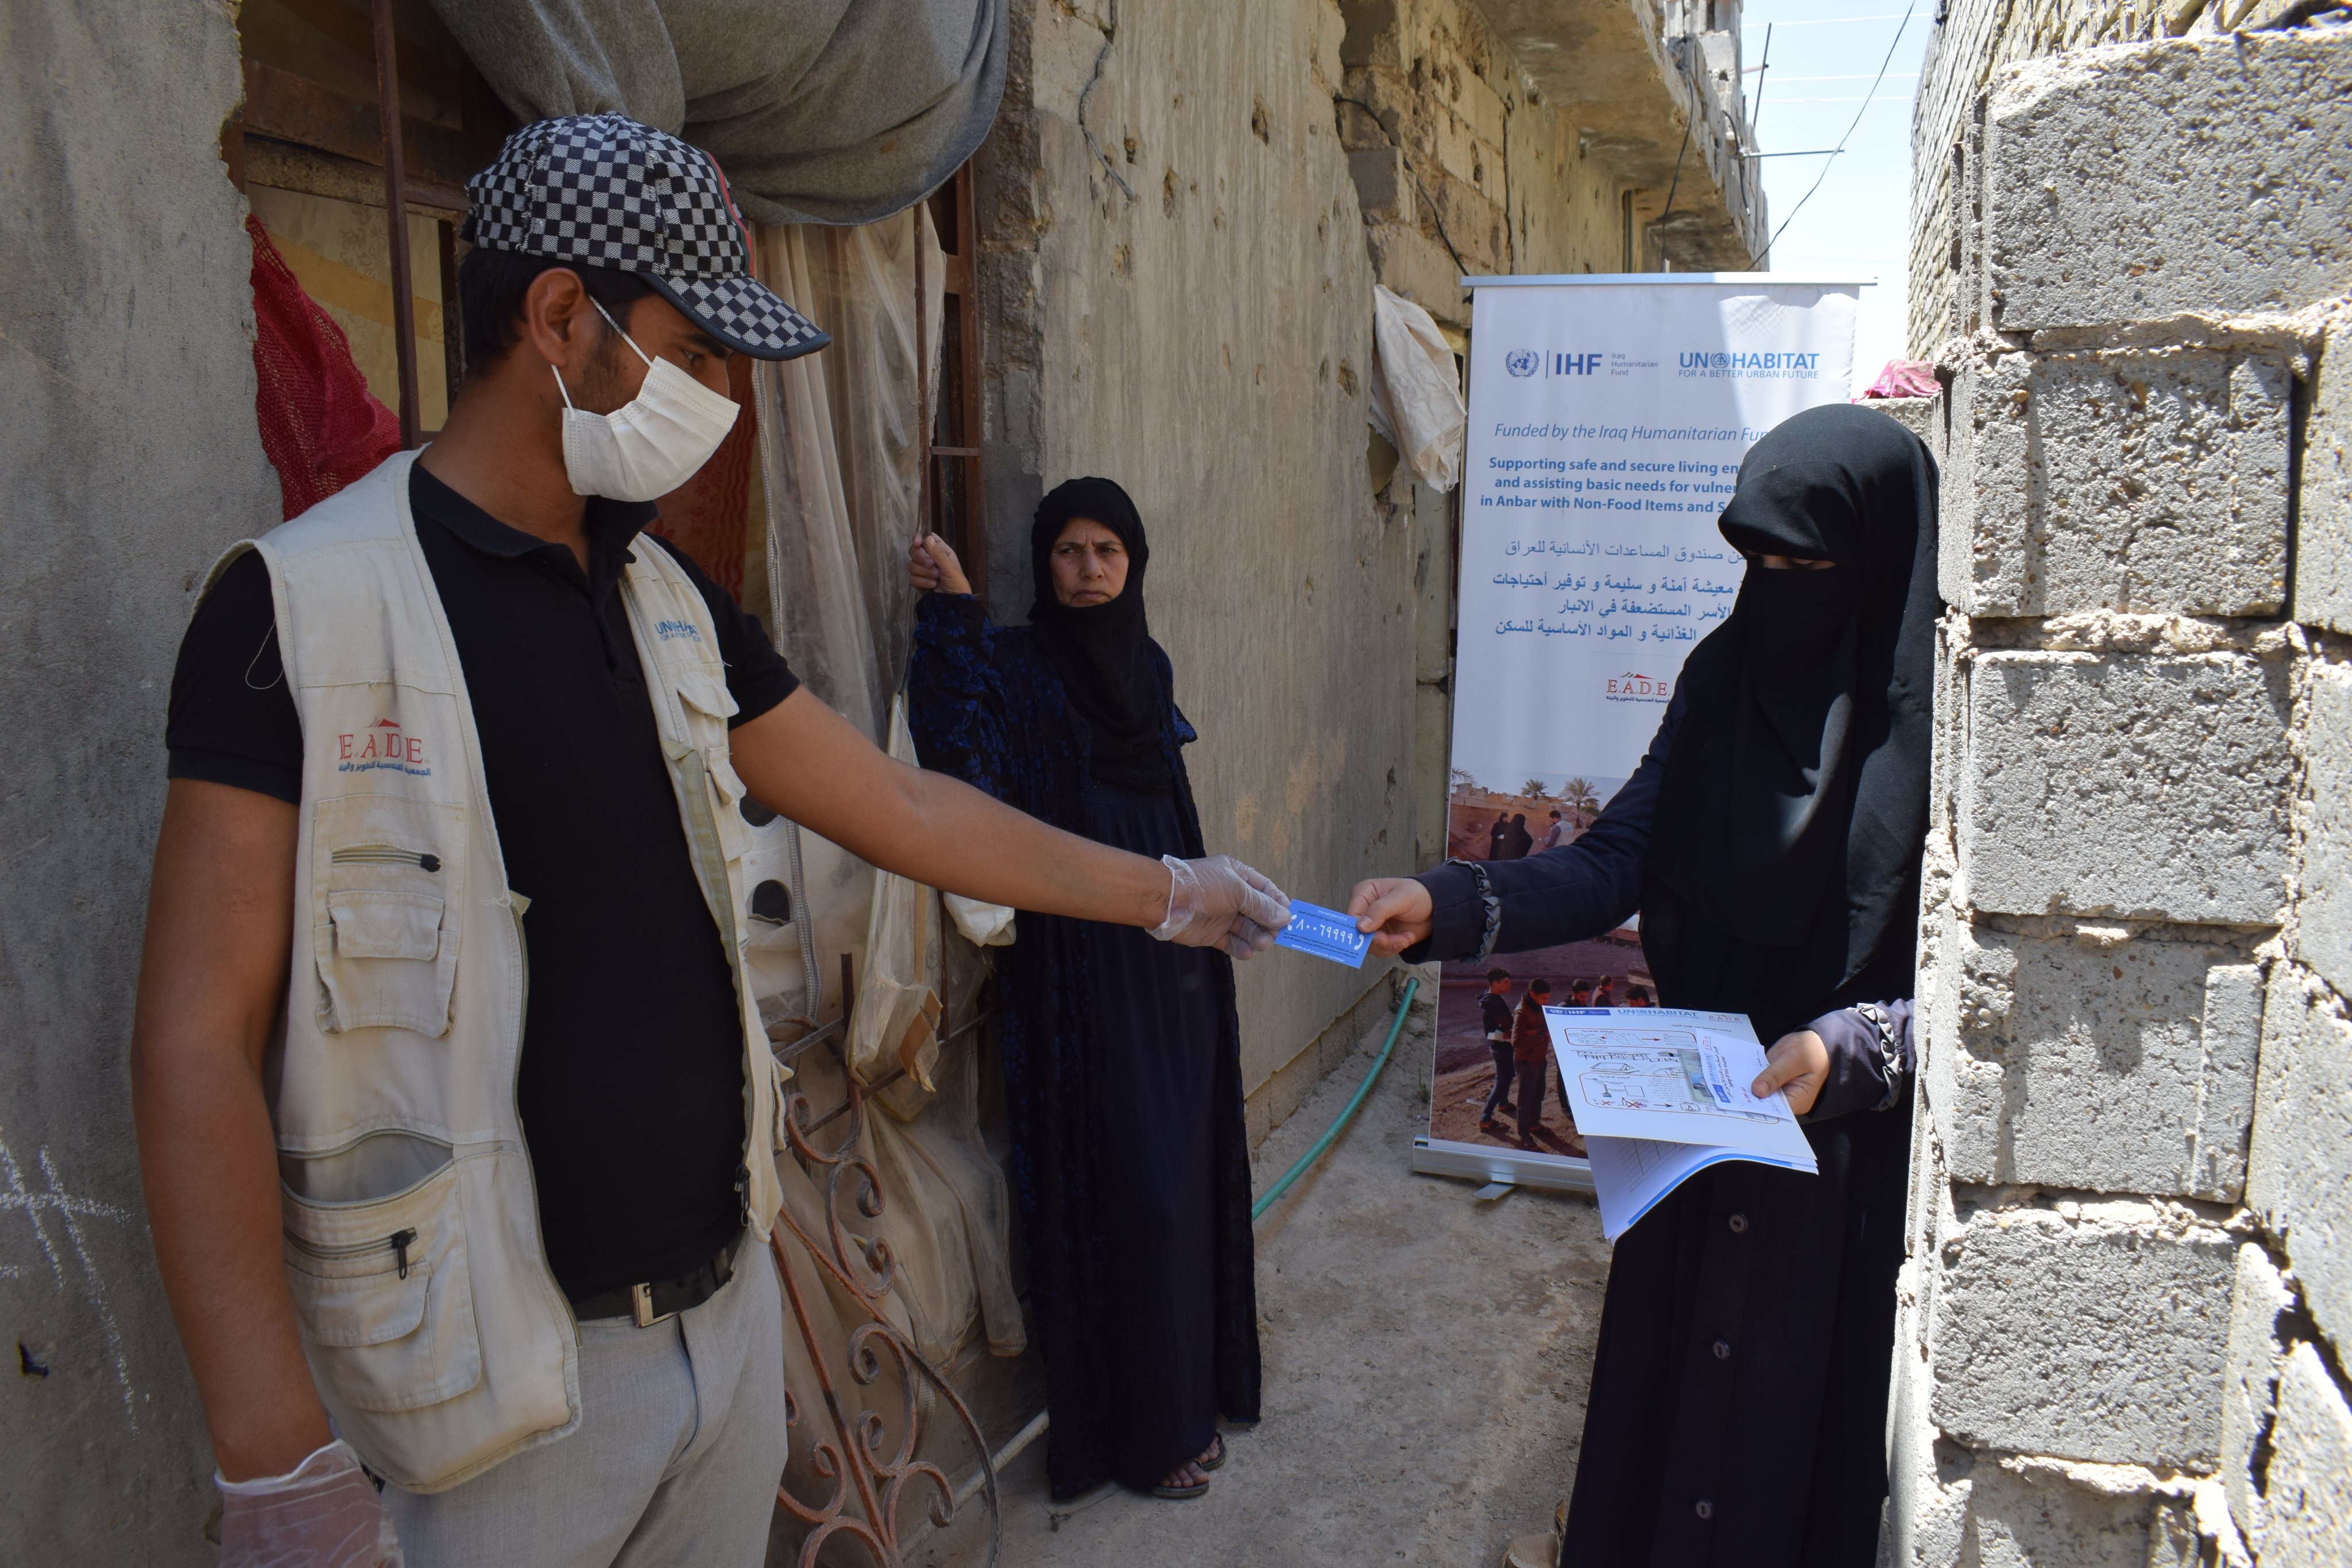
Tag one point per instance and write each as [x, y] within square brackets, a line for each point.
[439, 1338]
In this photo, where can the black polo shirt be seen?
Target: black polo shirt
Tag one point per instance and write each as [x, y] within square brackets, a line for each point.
[631, 1083]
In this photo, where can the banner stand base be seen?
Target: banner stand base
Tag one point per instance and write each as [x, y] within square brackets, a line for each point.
[1474, 1162]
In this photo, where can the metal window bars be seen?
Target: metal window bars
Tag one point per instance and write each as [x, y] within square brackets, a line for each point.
[871, 1480]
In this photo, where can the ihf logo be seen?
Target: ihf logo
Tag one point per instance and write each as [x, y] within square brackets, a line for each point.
[1527, 362]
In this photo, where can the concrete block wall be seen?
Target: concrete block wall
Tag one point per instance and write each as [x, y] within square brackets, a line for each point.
[2127, 1312]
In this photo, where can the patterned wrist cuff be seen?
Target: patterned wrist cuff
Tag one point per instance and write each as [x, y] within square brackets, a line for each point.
[1489, 906]
[1890, 1051]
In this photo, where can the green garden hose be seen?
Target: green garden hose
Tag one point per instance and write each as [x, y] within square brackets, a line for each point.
[1331, 1134]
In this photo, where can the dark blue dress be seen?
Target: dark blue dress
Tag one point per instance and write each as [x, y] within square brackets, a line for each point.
[1122, 1075]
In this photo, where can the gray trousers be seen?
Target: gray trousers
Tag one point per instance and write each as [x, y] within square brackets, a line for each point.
[680, 1445]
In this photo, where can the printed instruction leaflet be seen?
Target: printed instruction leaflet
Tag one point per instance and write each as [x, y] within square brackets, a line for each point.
[1662, 1092]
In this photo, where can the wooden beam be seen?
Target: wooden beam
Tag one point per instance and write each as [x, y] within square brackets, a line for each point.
[295, 108]
[395, 215]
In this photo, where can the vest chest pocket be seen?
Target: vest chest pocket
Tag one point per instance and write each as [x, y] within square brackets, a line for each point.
[387, 908]
[384, 1298]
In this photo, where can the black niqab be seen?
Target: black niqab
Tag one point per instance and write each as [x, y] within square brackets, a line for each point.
[1102, 651]
[1784, 880]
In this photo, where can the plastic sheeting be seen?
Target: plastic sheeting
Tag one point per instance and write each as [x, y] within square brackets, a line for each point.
[829, 111]
[1416, 389]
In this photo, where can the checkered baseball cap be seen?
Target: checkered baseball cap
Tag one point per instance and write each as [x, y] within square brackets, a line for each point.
[604, 191]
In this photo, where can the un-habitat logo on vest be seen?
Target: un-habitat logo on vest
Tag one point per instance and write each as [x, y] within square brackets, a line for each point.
[382, 745]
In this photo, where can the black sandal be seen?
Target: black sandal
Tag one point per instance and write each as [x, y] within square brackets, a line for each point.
[1216, 1453]
[1181, 1494]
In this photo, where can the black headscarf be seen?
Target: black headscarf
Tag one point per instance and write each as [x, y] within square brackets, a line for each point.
[1101, 650]
[1783, 879]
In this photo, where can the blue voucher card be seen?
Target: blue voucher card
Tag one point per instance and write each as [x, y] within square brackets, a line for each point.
[1324, 932]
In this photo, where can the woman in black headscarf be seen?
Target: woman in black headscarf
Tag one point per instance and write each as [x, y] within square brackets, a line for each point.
[1771, 841]
[1122, 1058]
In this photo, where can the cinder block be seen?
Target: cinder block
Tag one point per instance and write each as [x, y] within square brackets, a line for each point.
[2323, 542]
[1922, 416]
[2094, 1331]
[2145, 180]
[1927, 1479]
[2299, 1178]
[2307, 1505]
[2147, 481]
[2037, 1521]
[2151, 786]
[2250, 1380]
[2323, 936]
[2109, 1065]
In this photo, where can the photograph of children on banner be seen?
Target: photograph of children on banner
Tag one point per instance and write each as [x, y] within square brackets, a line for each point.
[1495, 1081]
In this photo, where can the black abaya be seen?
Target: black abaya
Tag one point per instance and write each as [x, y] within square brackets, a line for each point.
[1739, 1387]
[1156, 1019]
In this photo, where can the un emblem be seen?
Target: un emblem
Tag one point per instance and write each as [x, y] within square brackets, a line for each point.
[1522, 361]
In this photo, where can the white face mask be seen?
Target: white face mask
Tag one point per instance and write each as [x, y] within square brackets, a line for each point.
[650, 445]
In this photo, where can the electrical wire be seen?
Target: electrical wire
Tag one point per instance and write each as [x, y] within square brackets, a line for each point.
[1832, 161]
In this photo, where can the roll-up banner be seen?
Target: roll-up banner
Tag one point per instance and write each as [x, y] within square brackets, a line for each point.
[1608, 418]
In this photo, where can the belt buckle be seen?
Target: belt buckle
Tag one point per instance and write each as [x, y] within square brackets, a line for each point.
[641, 1307]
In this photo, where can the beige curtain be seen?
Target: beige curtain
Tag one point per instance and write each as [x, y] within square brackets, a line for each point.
[835, 504]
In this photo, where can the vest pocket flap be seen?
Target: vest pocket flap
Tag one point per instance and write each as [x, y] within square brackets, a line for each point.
[384, 1297]
[387, 902]
[374, 924]
[706, 694]
[729, 782]
[365, 1309]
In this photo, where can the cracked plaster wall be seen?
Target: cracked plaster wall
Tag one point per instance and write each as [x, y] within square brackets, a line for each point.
[132, 460]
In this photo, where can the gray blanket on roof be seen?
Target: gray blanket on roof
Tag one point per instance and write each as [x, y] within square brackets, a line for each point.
[830, 112]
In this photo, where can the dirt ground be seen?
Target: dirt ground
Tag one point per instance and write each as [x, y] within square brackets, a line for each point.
[1427, 1357]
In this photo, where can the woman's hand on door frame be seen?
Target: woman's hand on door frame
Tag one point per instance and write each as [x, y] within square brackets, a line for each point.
[932, 566]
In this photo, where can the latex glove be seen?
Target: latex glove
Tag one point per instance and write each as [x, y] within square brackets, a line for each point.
[323, 1513]
[1221, 903]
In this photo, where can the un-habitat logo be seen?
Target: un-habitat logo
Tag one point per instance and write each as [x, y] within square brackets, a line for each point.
[1737, 364]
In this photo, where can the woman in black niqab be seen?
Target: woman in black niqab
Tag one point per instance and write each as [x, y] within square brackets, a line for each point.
[1771, 841]
[1794, 805]
[1121, 1055]
[1100, 649]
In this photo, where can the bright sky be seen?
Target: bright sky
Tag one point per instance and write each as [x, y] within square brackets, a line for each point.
[1825, 54]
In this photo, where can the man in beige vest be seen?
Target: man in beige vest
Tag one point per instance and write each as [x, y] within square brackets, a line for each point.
[455, 1114]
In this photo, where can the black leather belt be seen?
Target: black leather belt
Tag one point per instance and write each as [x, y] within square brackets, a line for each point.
[660, 1300]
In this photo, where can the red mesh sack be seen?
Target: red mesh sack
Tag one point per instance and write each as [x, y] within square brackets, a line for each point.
[320, 424]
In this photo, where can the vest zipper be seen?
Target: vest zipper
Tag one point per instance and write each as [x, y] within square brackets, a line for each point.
[397, 1244]
[385, 854]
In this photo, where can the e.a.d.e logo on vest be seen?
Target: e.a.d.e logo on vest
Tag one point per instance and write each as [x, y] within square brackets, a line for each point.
[382, 745]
